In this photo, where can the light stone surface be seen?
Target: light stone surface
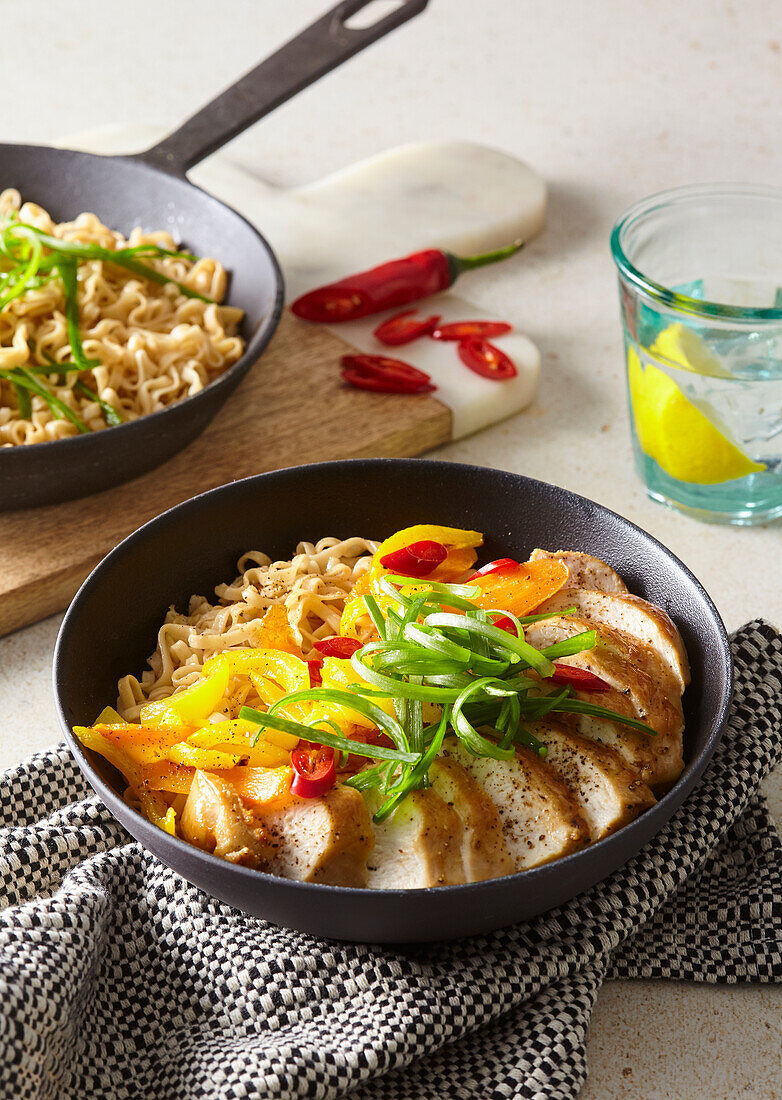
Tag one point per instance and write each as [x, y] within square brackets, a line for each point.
[609, 101]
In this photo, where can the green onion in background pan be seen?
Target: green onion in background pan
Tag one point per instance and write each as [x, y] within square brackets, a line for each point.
[486, 680]
[29, 258]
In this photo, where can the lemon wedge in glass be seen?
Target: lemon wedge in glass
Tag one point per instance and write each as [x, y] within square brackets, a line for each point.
[678, 435]
[680, 345]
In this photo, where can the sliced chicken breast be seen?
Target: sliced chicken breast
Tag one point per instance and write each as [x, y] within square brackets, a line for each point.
[634, 671]
[540, 818]
[648, 624]
[214, 819]
[608, 791]
[419, 845]
[484, 850]
[326, 839]
[584, 571]
[634, 747]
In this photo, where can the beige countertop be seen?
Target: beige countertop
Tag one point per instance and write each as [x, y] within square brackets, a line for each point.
[608, 101]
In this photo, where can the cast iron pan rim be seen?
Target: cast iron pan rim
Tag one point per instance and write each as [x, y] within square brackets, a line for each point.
[677, 793]
[254, 347]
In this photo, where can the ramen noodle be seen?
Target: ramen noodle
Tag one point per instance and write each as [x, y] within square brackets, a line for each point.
[312, 588]
[151, 343]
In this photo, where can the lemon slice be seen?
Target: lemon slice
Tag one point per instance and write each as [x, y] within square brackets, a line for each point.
[677, 435]
[680, 345]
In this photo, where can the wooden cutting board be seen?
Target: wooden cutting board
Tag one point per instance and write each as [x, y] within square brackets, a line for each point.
[292, 407]
[45, 553]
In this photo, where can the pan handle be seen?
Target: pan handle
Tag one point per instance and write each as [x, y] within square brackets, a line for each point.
[319, 48]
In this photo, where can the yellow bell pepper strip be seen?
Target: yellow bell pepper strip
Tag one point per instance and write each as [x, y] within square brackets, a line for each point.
[522, 588]
[339, 674]
[155, 809]
[196, 703]
[109, 717]
[237, 735]
[261, 787]
[204, 759]
[95, 738]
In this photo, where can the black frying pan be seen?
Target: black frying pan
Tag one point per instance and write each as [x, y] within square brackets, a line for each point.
[150, 189]
[112, 624]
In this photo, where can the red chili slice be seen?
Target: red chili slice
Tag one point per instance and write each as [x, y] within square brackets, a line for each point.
[494, 567]
[337, 647]
[384, 375]
[418, 559]
[506, 624]
[487, 360]
[579, 678]
[314, 670]
[463, 330]
[401, 329]
[314, 772]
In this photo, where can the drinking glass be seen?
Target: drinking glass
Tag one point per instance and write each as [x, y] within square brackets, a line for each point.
[700, 283]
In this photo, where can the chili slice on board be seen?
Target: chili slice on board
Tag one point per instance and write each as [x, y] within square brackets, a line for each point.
[465, 330]
[486, 360]
[382, 374]
[314, 772]
[402, 329]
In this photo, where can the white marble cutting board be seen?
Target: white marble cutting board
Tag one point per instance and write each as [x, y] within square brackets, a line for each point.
[454, 195]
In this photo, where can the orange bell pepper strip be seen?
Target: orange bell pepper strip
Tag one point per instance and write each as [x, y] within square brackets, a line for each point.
[276, 632]
[261, 787]
[165, 776]
[141, 744]
[522, 589]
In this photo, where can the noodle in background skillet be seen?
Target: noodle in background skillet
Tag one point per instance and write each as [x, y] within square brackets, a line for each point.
[154, 344]
[312, 588]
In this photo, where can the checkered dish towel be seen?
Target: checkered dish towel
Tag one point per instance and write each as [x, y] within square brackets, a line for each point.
[120, 980]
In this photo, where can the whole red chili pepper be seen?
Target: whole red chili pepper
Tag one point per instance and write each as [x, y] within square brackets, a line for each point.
[337, 646]
[579, 678]
[494, 567]
[393, 284]
[384, 375]
[487, 360]
[418, 559]
[463, 330]
[402, 329]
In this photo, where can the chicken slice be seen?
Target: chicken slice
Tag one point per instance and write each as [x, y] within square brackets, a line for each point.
[325, 839]
[484, 851]
[648, 624]
[634, 671]
[584, 571]
[419, 845]
[214, 819]
[634, 747]
[608, 791]
[540, 818]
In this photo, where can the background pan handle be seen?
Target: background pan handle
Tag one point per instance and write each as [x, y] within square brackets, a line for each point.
[319, 48]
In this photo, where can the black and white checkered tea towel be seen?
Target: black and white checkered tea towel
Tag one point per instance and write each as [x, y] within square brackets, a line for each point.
[119, 981]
